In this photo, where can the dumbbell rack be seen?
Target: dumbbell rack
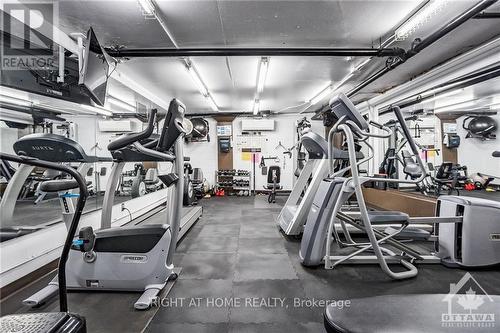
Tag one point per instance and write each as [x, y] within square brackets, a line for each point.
[224, 176]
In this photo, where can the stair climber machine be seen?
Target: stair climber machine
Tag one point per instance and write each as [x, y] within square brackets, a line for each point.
[466, 229]
[62, 321]
[130, 258]
[294, 213]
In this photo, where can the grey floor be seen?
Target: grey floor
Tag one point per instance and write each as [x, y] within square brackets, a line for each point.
[236, 252]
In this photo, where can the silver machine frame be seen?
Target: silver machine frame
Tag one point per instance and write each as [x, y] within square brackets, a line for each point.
[339, 222]
[162, 266]
[293, 215]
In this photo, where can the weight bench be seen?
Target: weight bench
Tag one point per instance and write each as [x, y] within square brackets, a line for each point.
[273, 183]
[198, 180]
[402, 314]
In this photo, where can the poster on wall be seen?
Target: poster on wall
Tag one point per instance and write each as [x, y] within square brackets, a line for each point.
[224, 130]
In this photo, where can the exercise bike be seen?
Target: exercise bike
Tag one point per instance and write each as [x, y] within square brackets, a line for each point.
[138, 258]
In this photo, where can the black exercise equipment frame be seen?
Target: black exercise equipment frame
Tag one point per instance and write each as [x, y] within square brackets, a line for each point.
[63, 297]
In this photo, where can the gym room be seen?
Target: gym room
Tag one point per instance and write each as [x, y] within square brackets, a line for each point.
[250, 166]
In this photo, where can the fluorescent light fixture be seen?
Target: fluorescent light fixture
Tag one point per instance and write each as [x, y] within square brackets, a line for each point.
[261, 78]
[13, 100]
[454, 107]
[361, 64]
[98, 110]
[121, 104]
[147, 6]
[322, 94]
[425, 13]
[447, 94]
[256, 104]
[197, 80]
[212, 103]
[202, 88]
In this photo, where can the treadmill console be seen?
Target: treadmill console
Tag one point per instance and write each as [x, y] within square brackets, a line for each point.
[342, 106]
[173, 126]
[51, 147]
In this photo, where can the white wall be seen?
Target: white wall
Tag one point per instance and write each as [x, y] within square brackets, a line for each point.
[476, 154]
[95, 142]
[204, 154]
[285, 133]
[7, 138]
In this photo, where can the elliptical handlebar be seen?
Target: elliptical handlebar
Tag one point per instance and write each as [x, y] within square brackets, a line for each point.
[130, 138]
[63, 300]
[410, 141]
[351, 123]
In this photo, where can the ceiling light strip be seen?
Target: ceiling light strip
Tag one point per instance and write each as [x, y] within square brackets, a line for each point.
[322, 94]
[430, 9]
[455, 106]
[261, 77]
[200, 85]
[147, 6]
[212, 103]
[98, 110]
[121, 104]
[256, 106]
[261, 81]
[400, 31]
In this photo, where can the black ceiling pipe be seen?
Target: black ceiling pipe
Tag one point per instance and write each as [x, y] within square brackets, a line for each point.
[230, 52]
[455, 23]
[463, 82]
[487, 15]
[420, 45]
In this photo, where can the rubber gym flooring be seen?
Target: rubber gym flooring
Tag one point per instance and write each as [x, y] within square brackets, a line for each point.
[240, 274]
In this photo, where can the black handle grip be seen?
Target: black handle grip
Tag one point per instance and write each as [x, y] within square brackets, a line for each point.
[376, 124]
[128, 139]
[63, 301]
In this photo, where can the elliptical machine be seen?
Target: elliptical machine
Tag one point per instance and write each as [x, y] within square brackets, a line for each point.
[138, 258]
[61, 321]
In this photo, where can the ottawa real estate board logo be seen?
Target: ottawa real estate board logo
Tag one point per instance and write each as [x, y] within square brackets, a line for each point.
[469, 306]
[28, 34]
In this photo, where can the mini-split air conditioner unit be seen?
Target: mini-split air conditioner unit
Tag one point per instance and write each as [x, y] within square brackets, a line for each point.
[257, 125]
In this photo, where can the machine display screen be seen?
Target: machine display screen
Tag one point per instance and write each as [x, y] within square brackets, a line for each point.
[95, 69]
[342, 106]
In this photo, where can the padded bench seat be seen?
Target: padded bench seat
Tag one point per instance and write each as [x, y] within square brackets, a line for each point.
[403, 314]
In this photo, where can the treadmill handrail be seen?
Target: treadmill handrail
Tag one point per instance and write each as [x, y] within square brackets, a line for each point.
[167, 157]
[63, 299]
[128, 139]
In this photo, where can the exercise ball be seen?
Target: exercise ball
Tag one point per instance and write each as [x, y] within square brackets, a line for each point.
[200, 128]
[481, 126]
